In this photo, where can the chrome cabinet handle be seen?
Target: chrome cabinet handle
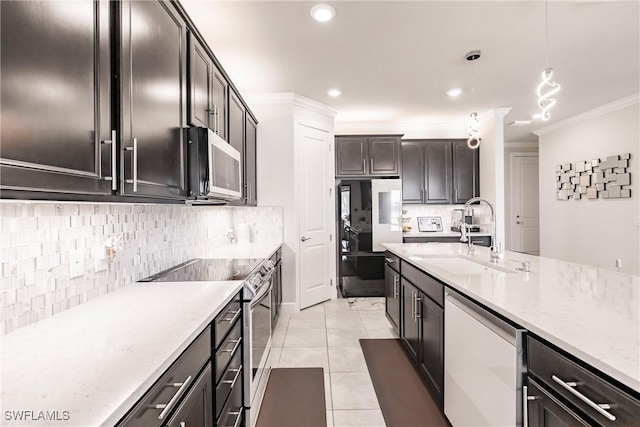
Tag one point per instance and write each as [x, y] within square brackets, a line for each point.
[390, 260]
[235, 347]
[525, 405]
[418, 299]
[364, 166]
[233, 317]
[413, 306]
[134, 181]
[238, 415]
[217, 120]
[370, 165]
[183, 424]
[396, 282]
[112, 178]
[166, 407]
[600, 407]
[304, 239]
[235, 378]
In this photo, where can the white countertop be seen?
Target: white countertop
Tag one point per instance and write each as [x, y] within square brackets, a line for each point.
[591, 313]
[97, 359]
[440, 234]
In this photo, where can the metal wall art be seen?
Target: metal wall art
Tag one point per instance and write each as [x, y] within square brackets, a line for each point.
[607, 179]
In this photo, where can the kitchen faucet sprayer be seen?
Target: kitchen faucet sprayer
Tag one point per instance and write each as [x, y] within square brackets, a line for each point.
[496, 252]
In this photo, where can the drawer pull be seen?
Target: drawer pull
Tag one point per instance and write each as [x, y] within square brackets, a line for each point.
[569, 386]
[233, 350]
[166, 407]
[390, 260]
[232, 318]
[235, 378]
[238, 415]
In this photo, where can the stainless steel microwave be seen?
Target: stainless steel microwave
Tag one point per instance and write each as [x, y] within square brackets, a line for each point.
[215, 167]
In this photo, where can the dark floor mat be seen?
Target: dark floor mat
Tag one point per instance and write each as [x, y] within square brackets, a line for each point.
[294, 398]
[403, 396]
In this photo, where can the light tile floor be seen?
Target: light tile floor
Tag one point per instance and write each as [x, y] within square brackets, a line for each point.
[326, 336]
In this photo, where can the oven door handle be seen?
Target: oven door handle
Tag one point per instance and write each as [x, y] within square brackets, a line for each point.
[263, 291]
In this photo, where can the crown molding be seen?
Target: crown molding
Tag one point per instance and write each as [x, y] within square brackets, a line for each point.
[497, 113]
[521, 144]
[590, 114]
[399, 128]
[290, 98]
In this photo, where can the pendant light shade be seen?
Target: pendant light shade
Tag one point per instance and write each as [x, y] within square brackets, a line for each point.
[473, 131]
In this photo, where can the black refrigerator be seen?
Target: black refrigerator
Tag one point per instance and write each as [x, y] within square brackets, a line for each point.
[369, 214]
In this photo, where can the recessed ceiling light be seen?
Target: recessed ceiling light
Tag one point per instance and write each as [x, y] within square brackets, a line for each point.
[456, 91]
[334, 92]
[520, 123]
[323, 12]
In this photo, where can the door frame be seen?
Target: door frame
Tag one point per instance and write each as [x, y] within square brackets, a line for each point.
[512, 191]
[331, 204]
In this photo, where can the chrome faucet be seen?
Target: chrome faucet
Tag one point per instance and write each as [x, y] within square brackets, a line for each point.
[496, 250]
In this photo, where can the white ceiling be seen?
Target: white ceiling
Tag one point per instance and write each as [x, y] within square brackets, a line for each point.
[395, 60]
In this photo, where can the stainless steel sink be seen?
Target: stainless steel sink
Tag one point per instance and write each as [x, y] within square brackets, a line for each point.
[463, 265]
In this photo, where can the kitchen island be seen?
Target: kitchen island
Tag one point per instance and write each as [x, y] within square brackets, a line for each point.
[591, 313]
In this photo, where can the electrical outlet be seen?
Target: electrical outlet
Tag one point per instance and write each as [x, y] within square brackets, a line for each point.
[76, 264]
[636, 221]
[618, 263]
[99, 254]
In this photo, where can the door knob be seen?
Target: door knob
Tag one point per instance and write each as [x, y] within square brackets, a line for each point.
[304, 239]
[519, 222]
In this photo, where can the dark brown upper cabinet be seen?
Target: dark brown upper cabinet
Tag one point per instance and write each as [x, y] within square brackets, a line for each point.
[466, 172]
[250, 161]
[439, 172]
[368, 155]
[56, 128]
[207, 90]
[153, 69]
[237, 123]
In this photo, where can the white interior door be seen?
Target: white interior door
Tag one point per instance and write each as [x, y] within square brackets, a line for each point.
[525, 220]
[386, 218]
[315, 212]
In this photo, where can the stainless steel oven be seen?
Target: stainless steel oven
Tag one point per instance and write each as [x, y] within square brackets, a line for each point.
[258, 327]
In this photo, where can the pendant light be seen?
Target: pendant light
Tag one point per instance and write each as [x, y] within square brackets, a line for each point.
[474, 134]
[547, 88]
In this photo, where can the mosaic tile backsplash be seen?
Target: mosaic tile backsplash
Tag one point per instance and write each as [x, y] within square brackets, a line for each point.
[39, 242]
[482, 215]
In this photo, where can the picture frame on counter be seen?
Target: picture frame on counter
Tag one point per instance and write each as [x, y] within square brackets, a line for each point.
[429, 223]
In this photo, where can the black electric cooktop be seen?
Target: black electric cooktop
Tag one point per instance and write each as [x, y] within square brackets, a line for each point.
[200, 270]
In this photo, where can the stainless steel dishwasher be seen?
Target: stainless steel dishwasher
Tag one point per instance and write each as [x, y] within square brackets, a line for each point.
[483, 367]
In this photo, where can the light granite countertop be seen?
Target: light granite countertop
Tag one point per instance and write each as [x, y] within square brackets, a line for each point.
[440, 234]
[97, 359]
[591, 313]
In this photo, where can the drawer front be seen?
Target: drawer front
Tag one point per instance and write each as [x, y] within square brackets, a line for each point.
[392, 261]
[196, 408]
[171, 384]
[224, 321]
[553, 369]
[229, 347]
[231, 378]
[233, 412]
[544, 410]
[427, 284]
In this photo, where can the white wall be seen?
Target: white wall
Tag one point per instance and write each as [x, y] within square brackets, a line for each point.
[593, 232]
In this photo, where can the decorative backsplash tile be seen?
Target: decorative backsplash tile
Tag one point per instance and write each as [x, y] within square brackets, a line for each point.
[39, 242]
[607, 179]
[481, 214]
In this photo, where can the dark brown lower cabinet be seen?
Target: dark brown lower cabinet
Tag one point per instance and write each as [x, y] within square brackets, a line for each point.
[432, 340]
[197, 408]
[546, 411]
[410, 323]
[392, 296]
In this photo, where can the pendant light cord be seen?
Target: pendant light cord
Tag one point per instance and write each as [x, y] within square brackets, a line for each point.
[546, 31]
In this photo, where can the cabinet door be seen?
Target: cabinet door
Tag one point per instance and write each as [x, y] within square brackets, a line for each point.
[392, 296]
[250, 161]
[432, 357]
[546, 411]
[437, 174]
[384, 156]
[236, 138]
[220, 105]
[351, 155]
[466, 174]
[410, 322]
[200, 87]
[55, 97]
[153, 99]
[197, 408]
[412, 172]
